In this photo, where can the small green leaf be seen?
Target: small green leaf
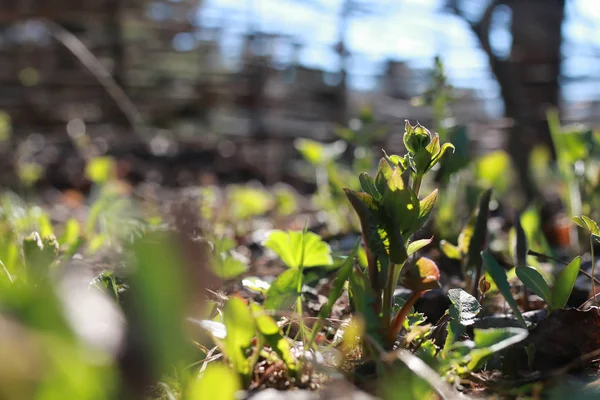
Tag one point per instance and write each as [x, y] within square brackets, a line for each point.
[298, 249]
[536, 282]
[241, 329]
[342, 275]
[283, 291]
[425, 208]
[384, 171]
[450, 250]
[592, 226]
[318, 153]
[396, 160]
[498, 275]
[417, 245]
[218, 382]
[367, 185]
[490, 341]
[563, 286]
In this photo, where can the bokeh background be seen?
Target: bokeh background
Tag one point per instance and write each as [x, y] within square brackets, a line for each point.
[188, 91]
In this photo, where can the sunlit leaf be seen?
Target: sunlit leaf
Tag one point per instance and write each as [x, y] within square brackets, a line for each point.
[450, 250]
[218, 382]
[241, 329]
[565, 281]
[283, 291]
[298, 249]
[424, 275]
[536, 282]
[417, 245]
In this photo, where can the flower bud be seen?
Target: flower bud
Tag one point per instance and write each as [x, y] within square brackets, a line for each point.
[416, 138]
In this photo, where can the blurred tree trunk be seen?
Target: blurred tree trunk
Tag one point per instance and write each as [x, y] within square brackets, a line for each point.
[529, 77]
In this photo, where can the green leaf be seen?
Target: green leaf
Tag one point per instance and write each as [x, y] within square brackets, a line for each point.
[396, 160]
[99, 169]
[425, 208]
[70, 234]
[490, 341]
[464, 238]
[478, 240]
[563, 286]
[498, 275]
[241, 329]
[400, 203]
[298, 249]
[463, 310]
[377, 256]
[417, 245]
[218, 382]
[283, 291]
[521, 244]
[384, 171]
[342, 275]
[270, 331]
[464, 307]
[536, 282]
[229, 265]
[591, 225]
[450, 250]
[367, 185]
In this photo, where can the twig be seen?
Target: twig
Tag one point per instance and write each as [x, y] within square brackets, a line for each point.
[91, 62]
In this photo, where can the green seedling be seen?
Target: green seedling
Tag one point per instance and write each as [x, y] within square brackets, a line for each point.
[390, 212]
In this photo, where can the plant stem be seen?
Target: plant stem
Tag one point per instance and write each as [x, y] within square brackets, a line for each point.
[593, 270]
[417, 183]
[388, 294]
[398, 321]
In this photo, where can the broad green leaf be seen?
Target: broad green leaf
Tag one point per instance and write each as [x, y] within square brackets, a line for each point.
[283, 291]
[298, 249]
[384, 171]
[450, 250]
[417, 245]
[218, 382]
[247, 202]
[367, 185]
[464, 307]
[463, 310]
[400, 203]
[490, 341]
[536, 282]
[229, 265]
[241, 329]
[498, 276]
[563, 286]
